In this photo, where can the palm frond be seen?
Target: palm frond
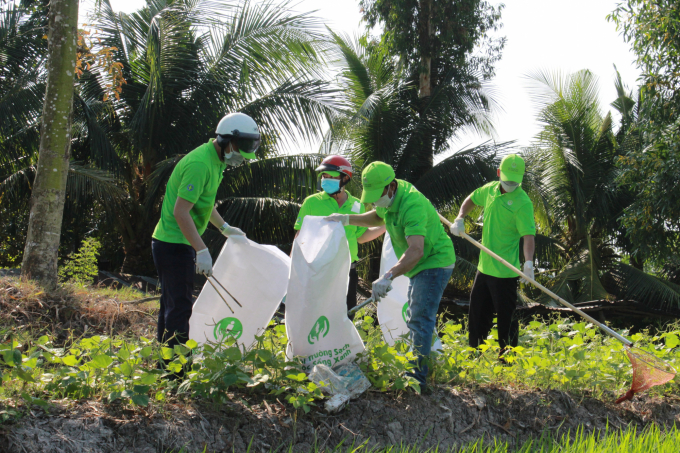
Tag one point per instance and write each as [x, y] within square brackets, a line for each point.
[629, 283]
[456, 177]
[289, 177]
[264, 220]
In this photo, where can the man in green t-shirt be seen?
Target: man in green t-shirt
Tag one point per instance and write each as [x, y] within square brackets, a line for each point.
[508, 216]
[420, 242]
[188, 206]
[335, 173]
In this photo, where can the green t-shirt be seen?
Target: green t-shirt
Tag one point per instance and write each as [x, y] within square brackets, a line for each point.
[195, 179]
[412, 214]
[322, 204]
[507, 217]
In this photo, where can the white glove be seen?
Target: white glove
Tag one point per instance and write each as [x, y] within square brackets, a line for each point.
[382, 286]
[528, 270]
[204, 263]
[228, 230]
[457, 227]
[342, 218]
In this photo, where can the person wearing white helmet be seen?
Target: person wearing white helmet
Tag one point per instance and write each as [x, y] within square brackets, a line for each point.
[188, 206]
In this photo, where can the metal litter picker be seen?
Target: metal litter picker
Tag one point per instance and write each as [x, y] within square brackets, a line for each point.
[648, 370]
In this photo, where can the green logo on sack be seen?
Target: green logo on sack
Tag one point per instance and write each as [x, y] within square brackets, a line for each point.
[319, 330]
[404, 312]
[228, 328]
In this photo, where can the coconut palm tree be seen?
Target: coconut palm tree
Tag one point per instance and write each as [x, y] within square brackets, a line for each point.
[187, 63]
[573, 182]
[380, 121]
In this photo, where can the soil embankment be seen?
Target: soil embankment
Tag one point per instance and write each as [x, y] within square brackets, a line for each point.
[447, 418]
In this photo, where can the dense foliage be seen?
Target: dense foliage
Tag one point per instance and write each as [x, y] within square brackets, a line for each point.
[652, 158]
[562, 354]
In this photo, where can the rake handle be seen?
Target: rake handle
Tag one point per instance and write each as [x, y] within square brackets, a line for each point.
[606, 329]
[361, 305]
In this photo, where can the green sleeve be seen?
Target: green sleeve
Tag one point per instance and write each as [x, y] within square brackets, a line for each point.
[194, 178]
[414, 219]
[381, 212]
[525, 220]
[478, 197]
[304, 211]
[361, 230]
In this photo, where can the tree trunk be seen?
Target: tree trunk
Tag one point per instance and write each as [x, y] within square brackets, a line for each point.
[426, 156]
[49, 188]
[424, 37]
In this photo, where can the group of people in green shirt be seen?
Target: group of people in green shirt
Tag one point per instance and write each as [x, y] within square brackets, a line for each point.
[425, 251]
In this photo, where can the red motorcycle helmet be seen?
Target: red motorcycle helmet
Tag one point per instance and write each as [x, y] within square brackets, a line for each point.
[336, 163]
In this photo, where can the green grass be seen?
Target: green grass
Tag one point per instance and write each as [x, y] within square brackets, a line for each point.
[630, 440]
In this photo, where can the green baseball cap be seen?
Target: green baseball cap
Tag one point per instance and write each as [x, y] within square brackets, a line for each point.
[512, 168]
[374, 178]
[334, 174]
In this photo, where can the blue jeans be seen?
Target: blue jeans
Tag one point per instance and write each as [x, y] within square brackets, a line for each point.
[424, 294]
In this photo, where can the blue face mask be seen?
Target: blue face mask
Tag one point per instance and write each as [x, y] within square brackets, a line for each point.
[330, 186]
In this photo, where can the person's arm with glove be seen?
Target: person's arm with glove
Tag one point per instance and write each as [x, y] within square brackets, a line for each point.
[413, 254]
[367, 219]
[226, 229]
[186, 224]
[529, 247]
[458, 225]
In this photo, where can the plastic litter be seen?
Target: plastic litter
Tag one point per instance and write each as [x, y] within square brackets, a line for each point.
[342, 384]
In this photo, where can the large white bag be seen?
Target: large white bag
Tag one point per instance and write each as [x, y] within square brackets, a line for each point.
[393, 308]
[317, 325]
[256, 275]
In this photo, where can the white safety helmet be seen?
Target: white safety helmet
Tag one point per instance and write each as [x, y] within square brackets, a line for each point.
[243, 129]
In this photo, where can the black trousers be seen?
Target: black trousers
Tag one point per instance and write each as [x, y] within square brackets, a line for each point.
[352, 288]
[175, 264]
[493, 295]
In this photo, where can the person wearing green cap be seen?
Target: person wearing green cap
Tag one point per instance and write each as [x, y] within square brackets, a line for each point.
[335, 173]
[425, 252]
[189, 204]
[508, 217]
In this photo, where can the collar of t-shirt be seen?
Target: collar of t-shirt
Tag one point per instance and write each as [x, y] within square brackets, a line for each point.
[351, 201]
[214, 157]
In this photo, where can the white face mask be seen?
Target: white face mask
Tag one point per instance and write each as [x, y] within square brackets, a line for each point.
[385, 201]
[509, 186]
[234, 159]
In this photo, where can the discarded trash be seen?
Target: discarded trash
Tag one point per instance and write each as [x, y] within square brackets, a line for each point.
[344, 383]
[357, 383]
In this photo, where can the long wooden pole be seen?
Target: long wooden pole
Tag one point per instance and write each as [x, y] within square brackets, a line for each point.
[606, 329]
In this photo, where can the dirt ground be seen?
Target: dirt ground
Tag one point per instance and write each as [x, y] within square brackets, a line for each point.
[447, 418]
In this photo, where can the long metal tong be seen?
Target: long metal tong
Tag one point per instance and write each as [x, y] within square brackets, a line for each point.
[220, 294]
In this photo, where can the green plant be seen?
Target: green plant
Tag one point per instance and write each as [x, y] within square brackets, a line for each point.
[81, 266]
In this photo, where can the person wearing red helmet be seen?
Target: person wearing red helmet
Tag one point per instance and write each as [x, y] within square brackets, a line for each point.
[335, 172]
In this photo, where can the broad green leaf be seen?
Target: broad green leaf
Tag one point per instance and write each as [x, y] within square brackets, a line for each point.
[148, 378]
[146, 351]
[141, 389]
[126, 368]
[24, 376]
[100, 361]
[191, 344]
[297, 377]
[167, 353]
[70, 360]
